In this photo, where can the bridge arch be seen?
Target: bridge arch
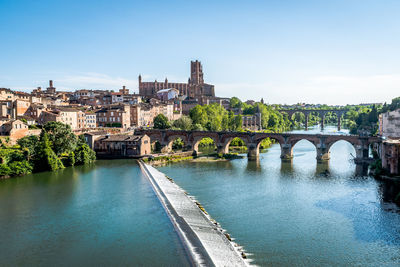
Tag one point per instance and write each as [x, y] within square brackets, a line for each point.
[338, 141]
[297, 140]
[198, 139]
[172, 138]
[254, 146]
[226, 140]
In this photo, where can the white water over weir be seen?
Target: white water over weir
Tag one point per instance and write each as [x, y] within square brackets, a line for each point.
[204, 240]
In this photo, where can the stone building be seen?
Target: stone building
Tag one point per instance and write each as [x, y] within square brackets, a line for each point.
[34, 110]
[188, 104]
[389, 124]
[114, 116]
[252, 122]
[15, 129]
[21, 106]
[195, 87]
[90, 120]
[7, 109]
[120, 146]
[64, 115]
[390, 156]
[143, 114]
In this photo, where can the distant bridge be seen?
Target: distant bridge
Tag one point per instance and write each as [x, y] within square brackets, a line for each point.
[287, 141]
[321, 113]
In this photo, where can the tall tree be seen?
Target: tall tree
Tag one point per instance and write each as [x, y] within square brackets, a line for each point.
[161, 122]
[183, 123]
[61, 137]
[45, 158]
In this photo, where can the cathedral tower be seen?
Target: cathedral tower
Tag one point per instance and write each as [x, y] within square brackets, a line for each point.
[196, 72]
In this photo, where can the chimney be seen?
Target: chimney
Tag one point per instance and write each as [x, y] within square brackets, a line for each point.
[51, 83]
[123, 87]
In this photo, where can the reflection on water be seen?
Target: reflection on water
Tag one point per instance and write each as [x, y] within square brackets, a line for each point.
[299, 212]
[99, 215]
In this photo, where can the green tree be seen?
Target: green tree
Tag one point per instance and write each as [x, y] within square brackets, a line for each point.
[20, 168]
[161, 122]
[45, 159]
[197, 127]
[199, 115]
[29, 142]
[183, 123]
[235, 102]
[395, 104]
[61, 137]
[235, 122]
[83, 154]
[4, 170]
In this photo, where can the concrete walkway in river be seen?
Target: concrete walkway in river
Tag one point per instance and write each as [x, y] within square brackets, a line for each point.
[203, 240]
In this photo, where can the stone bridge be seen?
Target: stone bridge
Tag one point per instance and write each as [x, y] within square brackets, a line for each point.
[287, 141]
[321, 113]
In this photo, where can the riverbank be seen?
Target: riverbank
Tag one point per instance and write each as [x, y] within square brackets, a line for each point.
[206, 242]
[161, 160]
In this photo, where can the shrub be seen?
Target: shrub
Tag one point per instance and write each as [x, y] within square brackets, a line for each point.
[69, 159]
[4, 170]
[20, 168]
[84, 155]
[161, 122]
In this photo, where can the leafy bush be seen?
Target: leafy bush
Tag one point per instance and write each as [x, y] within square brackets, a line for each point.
[69, 159]
[183, 123]
[45, 158]
[61, 137]
[84, 155]
[4, 170]
[161, 122]
[33, 127]
[20, 168]
[39, 154]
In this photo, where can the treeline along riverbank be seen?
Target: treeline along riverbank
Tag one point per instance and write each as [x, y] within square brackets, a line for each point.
[57, 147]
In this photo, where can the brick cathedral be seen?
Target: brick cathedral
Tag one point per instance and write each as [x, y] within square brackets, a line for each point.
[194, 88]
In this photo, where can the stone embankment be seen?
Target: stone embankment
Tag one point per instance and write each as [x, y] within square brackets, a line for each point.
[203, 239]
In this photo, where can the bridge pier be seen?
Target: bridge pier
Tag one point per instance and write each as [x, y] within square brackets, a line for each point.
[166, 148]
[286, 152]
[253, 151]
[323, 154]
[322, 122]
[362, 154]
[306, 122]
[339, 123]
[223, 148]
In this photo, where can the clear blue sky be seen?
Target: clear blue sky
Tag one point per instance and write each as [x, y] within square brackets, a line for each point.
[333, 52]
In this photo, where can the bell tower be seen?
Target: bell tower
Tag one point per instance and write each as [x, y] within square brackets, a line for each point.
[196, 72]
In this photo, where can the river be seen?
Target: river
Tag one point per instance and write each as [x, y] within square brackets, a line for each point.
[297, 213]
[101, 215]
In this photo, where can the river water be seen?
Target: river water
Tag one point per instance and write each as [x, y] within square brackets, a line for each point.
[101, 215]
[298, 213]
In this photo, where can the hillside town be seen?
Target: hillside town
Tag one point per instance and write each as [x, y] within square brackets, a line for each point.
[87, 110]
[99, 113]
